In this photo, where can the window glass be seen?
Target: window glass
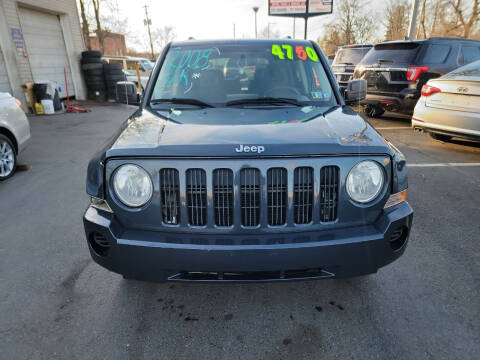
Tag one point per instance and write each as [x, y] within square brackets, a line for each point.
[350, 56]
[436, 54]
[218, 74]
[470, 54]
[392, 53]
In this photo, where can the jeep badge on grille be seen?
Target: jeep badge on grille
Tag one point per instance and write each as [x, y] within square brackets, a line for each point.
[253, 148]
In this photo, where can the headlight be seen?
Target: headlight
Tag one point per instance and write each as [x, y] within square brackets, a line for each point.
[132, 185]
[365, 181]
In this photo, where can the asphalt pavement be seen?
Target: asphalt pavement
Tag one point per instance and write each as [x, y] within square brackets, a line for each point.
[55, 303]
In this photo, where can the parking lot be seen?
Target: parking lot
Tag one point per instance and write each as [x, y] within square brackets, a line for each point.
[56, 303]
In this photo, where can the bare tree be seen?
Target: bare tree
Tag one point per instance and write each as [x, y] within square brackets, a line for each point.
[396, 23]
[85, 27]
[351, 25]
[466, 15]
[98, 31]
[163, 36]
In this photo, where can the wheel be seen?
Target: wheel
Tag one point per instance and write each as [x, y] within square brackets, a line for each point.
[93, 72]
[91, 60]
[113, 67]
[91, 54]
[373, 111]
[8, 158]
[440, 137]
[92, 66]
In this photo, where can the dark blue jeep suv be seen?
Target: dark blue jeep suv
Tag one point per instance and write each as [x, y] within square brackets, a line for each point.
[245, 163]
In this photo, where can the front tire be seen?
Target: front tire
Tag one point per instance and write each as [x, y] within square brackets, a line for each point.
[373, 111]
[8, 158]
[441, 137]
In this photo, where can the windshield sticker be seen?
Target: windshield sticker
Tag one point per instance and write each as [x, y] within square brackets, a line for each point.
[320, 95]
[286, 51]
[183, 67]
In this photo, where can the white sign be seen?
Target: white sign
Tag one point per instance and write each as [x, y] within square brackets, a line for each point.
[288, 7]
[320, 6]
[299, 7]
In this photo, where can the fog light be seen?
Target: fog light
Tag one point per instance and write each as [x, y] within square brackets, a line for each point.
[396, 198]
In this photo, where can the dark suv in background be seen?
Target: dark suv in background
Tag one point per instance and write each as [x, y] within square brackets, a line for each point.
[346, 58]
[396, 70]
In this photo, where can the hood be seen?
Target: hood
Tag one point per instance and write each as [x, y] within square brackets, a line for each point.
[340, 131]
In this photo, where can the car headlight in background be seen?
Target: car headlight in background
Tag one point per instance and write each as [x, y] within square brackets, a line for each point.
[365, 181]
[132, 185]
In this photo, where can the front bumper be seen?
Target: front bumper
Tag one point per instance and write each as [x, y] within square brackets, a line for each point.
[154, 256]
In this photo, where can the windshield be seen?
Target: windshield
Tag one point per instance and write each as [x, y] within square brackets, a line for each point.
[350, 56]
[220, 74]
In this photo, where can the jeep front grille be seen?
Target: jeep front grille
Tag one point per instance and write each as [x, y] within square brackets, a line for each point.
[303, 195]
[328, 193]
[223, 196]
[250, 197]
[170, 196]
[196, 196]
[276, 196]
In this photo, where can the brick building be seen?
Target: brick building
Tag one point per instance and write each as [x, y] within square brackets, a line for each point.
[113, 44]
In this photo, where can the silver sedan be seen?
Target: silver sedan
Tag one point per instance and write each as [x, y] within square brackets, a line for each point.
[14, 133]
[450, 105]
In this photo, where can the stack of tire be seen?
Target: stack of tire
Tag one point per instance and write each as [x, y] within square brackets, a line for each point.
[92, 67]
[112, 73]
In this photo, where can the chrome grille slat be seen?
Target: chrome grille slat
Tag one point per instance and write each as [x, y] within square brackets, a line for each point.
[303, 195]
[196, 191]
[329, 176]
[170, 196]
[223, 196]
[250, 196]
[276, 195]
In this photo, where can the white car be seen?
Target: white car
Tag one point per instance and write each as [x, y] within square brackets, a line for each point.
[450, 105]
[14, 133]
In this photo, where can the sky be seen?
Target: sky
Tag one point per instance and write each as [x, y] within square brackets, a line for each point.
[211, 19]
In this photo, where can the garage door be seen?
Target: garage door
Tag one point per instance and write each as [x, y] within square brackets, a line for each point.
[46, 48]
[4, 84]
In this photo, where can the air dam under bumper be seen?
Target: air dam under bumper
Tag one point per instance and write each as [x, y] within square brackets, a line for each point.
[353, 251]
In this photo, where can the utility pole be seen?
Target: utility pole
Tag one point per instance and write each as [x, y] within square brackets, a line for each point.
[294, 27]
[234, 30]
[147, 22]
[412, 27]
[255, 10]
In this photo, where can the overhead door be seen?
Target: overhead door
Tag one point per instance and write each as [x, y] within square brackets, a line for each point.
[46, 48]
[4, 83]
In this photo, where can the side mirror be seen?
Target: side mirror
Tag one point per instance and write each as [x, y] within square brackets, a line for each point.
[356, 91]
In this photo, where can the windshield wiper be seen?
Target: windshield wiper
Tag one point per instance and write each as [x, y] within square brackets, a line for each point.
[264, 100]
[185, 101]
[344, 63]
[384, 61]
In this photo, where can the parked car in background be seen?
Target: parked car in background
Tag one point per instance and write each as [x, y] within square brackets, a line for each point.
[14, 133]
[129, 63]
[450, 105]
[397, 70]
[268, 176]
[132, 76]
[346, 58]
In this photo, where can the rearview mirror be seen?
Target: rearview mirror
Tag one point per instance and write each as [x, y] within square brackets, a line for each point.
[356, 91]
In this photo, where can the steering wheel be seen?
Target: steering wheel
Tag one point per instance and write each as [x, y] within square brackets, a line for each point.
[281, 91]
